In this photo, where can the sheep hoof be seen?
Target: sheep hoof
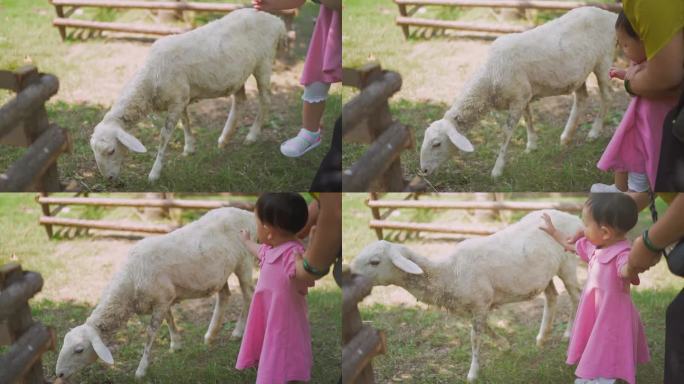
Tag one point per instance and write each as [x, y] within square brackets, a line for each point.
[565, 141]
[530, 148]
[472, 377]
[250, 138]
[139, 374]
[541, 341]
[188, 152]
[175, 347]
[152, 178]
[236, 336]
[592, 135]
[222, 143]
[496, 173]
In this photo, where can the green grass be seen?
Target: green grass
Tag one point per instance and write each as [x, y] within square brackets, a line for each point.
[23, 240]
[549, 168]
[195, 363]
[429, 345]
[27, 35]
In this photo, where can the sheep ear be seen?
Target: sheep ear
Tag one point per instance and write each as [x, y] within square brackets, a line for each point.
[406, 265]
[460, 141]
[130, 142]
[99, 347]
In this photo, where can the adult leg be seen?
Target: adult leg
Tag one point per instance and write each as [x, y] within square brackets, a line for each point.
[674, 341]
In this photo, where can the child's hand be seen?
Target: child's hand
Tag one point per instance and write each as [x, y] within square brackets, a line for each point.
[617, 73]
[244, 235]
[548, 225]
[629, 274]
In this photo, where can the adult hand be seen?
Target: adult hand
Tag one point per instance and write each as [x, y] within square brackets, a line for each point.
[641, 258]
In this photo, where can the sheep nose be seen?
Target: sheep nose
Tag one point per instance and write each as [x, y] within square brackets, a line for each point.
[61, 375]
[110, 178]
[425, 171]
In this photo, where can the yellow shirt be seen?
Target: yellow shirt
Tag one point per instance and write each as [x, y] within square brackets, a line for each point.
[655, 21]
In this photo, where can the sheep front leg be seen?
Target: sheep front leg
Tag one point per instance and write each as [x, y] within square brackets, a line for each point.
[229, 129]
[189, 146]
[158, 314]
[244, 275]
[174, 333]
[263, 79]
[166, 132]
[478, 326]
[511, 123]
[550, 300]
[531, 133]
[580, 97]
[568, 274]
[603, 83]
[222, 298]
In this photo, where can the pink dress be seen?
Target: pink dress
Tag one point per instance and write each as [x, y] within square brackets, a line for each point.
[324, 58]
[277, 336]
[635, 146]
[607, 338]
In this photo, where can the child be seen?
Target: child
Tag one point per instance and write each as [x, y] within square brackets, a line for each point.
[323, 66]
[277, 338]
[607, 339]
[634, 150]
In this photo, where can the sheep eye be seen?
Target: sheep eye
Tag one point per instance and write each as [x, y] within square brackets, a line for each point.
[111, 152]
[78, 350]
[374, 262]
[437, 144]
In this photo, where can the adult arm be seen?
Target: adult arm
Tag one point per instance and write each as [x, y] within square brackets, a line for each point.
[667, 230]
[327, 239]
[663, 76]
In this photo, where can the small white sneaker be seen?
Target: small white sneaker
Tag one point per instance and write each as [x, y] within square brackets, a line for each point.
[604, 188]
[301, 144]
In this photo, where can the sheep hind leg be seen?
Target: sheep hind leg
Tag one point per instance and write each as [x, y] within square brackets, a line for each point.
[550, 300]
[244, 274]
[478, 325]
[532, 137]
[158, 314]
[229, 128]
[174, 332]
[580, 98]
[263, 79]
[216, 323]
[513, 119]
[189, 146]
[604, 87]
[167, 130]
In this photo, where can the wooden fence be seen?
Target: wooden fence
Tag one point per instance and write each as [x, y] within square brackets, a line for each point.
[360, 342]
[380, 221]
[24, 122]
[66, 8]
[406, 19]
[366, 118]
[28, 339]
[49, 218]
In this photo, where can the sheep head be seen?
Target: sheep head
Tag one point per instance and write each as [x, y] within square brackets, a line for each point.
[109, 143]
[439, 143]
[82, 346]
[384, 263]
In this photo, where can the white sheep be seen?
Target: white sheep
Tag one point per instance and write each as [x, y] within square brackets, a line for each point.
[211, 61]
[553, 59]
[512, 265]
[191, 262]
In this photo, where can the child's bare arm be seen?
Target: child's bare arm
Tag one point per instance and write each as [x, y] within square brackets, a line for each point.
[549, 228]
[251, 246]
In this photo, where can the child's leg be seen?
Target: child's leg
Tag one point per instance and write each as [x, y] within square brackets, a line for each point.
[309, 137]
[621, 181]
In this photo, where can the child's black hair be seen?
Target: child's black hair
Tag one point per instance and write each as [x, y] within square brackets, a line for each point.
[616, 210]
[285, 211]
[623, 23]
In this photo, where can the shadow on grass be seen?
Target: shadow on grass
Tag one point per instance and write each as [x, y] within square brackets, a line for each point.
[550, 168]
[433, 346]
[196, 362]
